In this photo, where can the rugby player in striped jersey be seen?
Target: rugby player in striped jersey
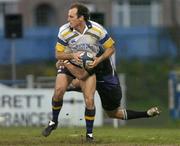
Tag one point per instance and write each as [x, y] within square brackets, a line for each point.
[79, 34]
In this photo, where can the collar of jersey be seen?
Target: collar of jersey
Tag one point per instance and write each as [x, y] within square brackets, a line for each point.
[88, 24]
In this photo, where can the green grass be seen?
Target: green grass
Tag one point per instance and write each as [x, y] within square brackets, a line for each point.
[104, 136]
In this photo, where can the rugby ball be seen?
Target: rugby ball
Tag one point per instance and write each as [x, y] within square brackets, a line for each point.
[86, 58]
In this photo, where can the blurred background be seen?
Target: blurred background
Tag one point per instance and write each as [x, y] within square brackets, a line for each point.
[147, 35]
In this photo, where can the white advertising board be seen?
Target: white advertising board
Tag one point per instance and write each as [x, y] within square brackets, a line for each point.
[32, 107]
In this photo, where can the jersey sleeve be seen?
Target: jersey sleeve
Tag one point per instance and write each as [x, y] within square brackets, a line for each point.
[61, 42]
[105, 40]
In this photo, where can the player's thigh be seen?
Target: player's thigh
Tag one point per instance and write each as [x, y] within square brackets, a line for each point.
[110, 96]
[88, 86]
[62, 82]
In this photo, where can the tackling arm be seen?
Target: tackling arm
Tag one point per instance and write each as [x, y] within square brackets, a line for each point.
[63, 55]
[107, 53]
[79, 73]
[68, 56]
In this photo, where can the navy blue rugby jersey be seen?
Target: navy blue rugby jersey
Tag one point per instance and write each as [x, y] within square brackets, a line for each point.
[105, 71]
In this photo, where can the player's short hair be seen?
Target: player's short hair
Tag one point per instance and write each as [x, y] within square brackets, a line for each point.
[82, 10]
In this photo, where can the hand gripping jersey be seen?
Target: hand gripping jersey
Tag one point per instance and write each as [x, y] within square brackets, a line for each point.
[94, 36]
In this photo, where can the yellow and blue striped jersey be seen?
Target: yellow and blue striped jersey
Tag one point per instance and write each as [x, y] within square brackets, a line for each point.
[90, 40]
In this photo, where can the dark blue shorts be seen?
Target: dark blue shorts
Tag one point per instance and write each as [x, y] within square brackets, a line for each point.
[109, 93]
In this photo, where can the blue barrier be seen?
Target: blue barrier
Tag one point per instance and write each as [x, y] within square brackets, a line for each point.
[38, 44]
[174, 95]
[144, 42]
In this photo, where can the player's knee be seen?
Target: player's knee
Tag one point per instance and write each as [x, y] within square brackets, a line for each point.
[115, 114]
[89, 103]
[59, 92]
[112, 114]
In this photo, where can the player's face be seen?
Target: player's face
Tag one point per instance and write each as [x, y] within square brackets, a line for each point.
[73, 18]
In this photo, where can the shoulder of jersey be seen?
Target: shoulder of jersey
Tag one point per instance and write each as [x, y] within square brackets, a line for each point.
[95, 24]
[64, 27]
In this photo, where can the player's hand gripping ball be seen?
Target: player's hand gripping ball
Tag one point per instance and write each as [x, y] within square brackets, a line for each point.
[86, 58]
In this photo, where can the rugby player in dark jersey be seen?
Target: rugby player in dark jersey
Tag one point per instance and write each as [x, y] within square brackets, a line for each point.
[109, 90]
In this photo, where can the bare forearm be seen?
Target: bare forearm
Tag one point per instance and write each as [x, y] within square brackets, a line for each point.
[64, 56]
[108, 53]
[79, 73]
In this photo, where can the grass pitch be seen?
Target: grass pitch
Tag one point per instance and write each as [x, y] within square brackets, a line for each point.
[104, 136]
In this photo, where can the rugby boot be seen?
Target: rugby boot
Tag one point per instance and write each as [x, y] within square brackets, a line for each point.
[51, 126]
[154, 111]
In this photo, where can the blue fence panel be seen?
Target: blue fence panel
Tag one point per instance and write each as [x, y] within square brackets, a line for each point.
[142, 42]
[137, 42]
[174, 95]
[37, 44]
